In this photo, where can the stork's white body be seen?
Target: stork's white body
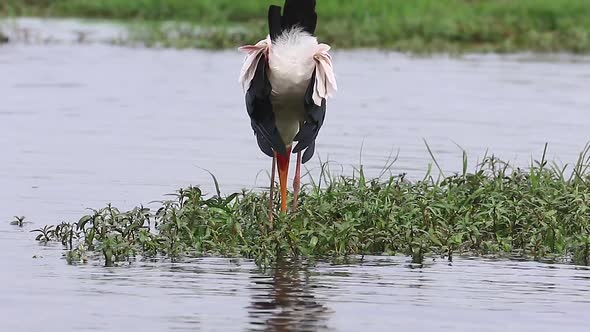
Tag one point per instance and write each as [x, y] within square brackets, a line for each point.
[291, 65]
[286, 60]
[292, 59]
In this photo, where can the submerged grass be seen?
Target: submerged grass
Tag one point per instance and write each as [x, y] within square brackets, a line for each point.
[405, 25]
[538, 213]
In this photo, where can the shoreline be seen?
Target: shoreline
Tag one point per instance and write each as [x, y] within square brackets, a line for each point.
[417, 27]
[71, 30]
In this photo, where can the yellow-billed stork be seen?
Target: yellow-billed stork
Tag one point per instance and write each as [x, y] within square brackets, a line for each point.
[287, 78]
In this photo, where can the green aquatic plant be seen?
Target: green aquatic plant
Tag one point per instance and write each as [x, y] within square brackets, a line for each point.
[19, 221]
[46, 234]
[540, 212]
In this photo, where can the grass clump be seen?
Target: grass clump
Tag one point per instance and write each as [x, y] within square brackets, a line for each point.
[539, 213]
[404, 25]
[19, 221]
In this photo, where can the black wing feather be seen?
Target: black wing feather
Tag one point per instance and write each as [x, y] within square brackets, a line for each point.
[308, 153]
[260, 111]
[315, 116]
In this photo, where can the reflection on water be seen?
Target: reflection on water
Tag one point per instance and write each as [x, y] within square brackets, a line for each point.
[286, 302]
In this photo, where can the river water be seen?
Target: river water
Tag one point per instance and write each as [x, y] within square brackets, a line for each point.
[85, 124]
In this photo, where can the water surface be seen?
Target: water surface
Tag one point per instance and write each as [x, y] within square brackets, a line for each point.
[84, 125]
[210, 294]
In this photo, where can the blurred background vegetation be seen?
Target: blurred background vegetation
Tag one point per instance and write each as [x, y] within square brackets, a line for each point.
[407, 25]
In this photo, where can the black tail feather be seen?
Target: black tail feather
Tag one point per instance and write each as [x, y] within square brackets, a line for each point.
[275, 24]
[299, 13]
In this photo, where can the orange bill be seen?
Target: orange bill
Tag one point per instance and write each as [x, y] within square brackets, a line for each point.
[283, 166]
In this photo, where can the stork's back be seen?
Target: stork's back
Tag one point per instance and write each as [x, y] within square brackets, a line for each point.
[291, 63]
[291, 60]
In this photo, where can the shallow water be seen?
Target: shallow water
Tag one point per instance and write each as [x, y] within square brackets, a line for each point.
[83, 125]
[379, 294]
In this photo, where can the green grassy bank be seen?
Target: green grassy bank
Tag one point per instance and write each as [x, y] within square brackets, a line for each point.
[405, 25]
[542, 212]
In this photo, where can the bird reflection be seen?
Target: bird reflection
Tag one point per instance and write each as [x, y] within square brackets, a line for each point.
[285, 300]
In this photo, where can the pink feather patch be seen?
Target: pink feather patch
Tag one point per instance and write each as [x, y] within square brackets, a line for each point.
[325, 80]
[254, 53]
